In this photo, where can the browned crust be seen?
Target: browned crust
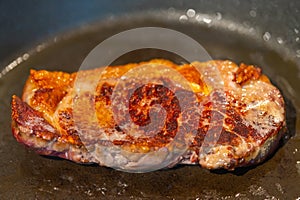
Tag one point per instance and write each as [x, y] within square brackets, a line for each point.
[49, 87]
[23, 115]
[246, 73]
[33, 124]
[31, 129]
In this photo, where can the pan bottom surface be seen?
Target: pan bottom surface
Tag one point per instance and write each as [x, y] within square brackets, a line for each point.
[24, 174]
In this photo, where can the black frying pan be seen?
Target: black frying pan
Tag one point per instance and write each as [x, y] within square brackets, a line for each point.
[57, 35]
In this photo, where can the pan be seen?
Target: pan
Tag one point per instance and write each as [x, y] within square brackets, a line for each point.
[58, 35]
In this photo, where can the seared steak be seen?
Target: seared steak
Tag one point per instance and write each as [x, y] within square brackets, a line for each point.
[228, 116]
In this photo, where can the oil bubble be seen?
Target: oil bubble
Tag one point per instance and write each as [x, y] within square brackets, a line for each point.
[280, 40]
[298, 53]
[183, 18]
[25, 56]
[207, 20]
[267, 36]
[218, 16]
[252, 13]
[191, 12]
[298, 166]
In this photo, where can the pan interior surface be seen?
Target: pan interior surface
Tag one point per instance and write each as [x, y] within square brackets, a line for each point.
[24, 174]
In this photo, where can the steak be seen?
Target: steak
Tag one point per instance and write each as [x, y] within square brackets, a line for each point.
[216, 114]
